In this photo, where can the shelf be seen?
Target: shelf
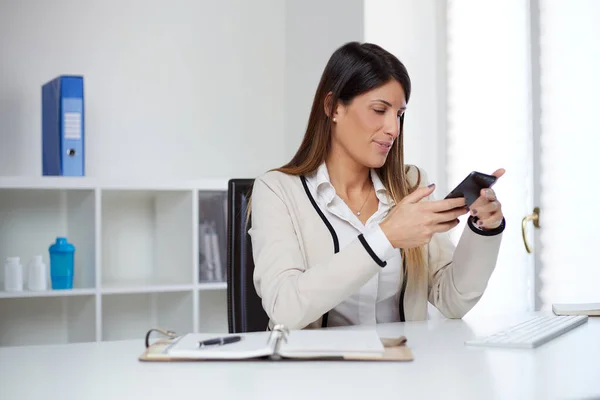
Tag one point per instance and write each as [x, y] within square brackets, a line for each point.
[213, 311]
[212, 286]
[212, 233]
[90, 183]
[32, 219]
[47, 320]
[71, 183]
[116, 288]
[47, 293]
[135, 288]
[147, 236]
[130, 316]
[139, 257]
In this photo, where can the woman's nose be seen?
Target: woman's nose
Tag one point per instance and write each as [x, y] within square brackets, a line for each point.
[392, 126]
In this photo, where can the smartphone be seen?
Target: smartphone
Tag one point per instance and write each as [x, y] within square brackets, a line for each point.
[470, 187]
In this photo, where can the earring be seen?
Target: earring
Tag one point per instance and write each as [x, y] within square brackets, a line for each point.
[334, 120]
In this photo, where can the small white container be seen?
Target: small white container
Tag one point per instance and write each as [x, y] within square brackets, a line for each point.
[37, 274]
[13, 275]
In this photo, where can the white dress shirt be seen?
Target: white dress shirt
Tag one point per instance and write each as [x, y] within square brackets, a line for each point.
[378, 300]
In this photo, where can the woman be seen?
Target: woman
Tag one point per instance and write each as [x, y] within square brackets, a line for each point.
[345, 233]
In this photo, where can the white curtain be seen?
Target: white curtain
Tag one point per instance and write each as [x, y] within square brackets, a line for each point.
[570, 149]
[489, 127]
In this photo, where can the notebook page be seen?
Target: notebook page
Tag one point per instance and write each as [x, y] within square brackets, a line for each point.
[252, 345]
[574, 309]
[331, 343]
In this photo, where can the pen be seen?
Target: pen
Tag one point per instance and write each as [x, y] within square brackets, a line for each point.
[219, 341]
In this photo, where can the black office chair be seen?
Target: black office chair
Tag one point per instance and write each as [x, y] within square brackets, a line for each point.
[244, 308]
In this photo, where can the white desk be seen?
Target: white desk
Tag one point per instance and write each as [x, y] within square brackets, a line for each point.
[567, 367]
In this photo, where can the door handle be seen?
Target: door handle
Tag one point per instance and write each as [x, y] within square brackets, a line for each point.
[535, 218]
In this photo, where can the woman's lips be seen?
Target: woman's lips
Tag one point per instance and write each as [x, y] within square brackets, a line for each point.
[383, 145]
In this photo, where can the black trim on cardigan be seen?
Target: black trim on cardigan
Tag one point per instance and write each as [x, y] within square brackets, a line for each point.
[367, 247]
[486, 232]
[403, 290]
[336, 243]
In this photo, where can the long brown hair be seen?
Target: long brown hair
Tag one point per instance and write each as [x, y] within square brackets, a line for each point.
[354, 69]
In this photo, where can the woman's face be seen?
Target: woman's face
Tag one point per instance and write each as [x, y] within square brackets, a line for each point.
[366, 128]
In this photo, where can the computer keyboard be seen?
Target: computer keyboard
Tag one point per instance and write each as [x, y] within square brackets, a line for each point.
[531, 333]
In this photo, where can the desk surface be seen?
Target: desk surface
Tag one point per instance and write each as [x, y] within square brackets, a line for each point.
[567, 367]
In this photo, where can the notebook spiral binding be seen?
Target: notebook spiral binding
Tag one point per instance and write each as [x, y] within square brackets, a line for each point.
[164, 332]
[278, 334]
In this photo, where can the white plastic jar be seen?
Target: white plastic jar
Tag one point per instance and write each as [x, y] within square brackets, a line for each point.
[13, 275]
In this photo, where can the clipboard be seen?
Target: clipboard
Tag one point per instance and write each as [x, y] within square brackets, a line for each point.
[279, 344]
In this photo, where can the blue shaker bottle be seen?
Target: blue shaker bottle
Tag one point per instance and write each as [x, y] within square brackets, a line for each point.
[62, 264]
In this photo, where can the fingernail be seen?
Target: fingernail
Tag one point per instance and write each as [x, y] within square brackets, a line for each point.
[431, 185]
[474, 212]
[480, 222]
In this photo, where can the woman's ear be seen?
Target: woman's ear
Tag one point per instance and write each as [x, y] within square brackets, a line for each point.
[327, 106]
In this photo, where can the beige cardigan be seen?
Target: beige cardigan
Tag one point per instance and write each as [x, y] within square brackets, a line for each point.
[299, 277]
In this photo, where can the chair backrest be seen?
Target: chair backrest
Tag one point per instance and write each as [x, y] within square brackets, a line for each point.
[244, 307]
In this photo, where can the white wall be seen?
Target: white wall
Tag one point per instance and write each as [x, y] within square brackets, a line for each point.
[314, 30]
[196, 88]
[182, 89]
[414, 31]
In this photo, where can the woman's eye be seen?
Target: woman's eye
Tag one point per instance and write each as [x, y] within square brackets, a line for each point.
[380, 111]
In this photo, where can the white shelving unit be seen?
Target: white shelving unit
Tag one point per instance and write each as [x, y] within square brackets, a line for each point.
[137, 258]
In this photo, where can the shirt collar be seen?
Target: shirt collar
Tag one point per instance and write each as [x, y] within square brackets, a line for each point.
[323, 184]
[380, 190]
[320, 180]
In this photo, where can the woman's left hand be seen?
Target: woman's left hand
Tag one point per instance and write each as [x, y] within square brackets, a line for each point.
[487, 208]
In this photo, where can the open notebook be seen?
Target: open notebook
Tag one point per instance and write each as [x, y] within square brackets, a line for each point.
[334, 344]
[591, 309]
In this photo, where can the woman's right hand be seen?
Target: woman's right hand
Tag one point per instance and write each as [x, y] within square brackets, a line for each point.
[412, 223]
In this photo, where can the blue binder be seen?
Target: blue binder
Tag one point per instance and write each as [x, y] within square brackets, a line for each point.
[63, 144]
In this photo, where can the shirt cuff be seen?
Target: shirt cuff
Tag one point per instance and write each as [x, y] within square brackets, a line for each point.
[472, 222]
[379, 243]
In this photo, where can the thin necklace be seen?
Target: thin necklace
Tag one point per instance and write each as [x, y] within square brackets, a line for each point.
[365, 202]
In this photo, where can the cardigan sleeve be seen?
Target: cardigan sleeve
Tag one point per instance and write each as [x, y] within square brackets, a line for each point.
[458, 276]
[293, 293]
